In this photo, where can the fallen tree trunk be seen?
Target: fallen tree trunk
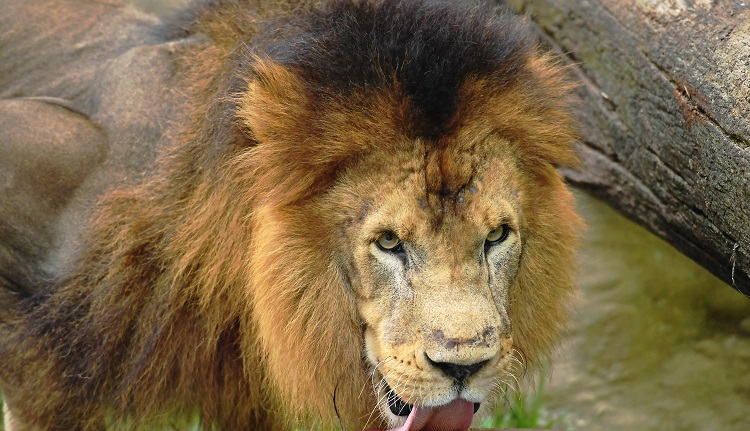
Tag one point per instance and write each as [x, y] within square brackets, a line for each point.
[666, 117]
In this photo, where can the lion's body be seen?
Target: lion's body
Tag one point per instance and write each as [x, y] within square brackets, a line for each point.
[192, 210]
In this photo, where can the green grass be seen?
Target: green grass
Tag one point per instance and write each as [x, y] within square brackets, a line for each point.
[169, 422]
[526, 411]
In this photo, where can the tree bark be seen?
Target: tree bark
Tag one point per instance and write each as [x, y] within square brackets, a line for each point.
[665, 117]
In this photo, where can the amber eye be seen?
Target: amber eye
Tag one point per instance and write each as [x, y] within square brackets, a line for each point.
[388, 241]
[498, 234]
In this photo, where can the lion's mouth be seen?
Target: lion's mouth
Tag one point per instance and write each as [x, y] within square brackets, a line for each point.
[397, 406]
[400, 408]
[454, 416]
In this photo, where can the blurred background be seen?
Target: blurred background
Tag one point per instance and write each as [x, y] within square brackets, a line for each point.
[656, 342]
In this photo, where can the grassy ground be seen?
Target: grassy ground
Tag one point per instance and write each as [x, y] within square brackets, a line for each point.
[523, 411]
[527, 411]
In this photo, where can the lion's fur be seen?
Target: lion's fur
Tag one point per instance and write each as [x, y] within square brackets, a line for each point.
[221, 284]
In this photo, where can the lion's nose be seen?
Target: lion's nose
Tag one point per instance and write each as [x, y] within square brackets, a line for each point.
[460, 372]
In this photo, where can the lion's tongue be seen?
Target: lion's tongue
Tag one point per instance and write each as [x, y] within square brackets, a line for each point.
[455, 416]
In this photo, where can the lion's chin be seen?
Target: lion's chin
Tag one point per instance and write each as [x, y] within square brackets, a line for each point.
[454, 416]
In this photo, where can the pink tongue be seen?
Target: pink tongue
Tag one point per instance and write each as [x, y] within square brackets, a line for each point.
[455, 416]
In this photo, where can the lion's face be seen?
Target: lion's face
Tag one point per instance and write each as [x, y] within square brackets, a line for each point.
[406, 270]
[435, 242]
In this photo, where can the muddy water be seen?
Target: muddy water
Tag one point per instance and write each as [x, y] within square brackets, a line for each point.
[656, 343]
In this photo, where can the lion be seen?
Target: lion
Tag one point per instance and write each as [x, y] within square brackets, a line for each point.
[277, 215]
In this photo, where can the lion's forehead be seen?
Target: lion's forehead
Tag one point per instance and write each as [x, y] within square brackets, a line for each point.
[454, 179]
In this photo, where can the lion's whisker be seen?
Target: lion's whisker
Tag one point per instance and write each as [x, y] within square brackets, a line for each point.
[380, 398]
[378, 401]
[518, 383]
[515, 359]
[372, 375]
[500, 387]
[518, 354]
[507, 385]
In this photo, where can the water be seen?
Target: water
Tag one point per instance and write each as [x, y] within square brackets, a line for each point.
[656, 342]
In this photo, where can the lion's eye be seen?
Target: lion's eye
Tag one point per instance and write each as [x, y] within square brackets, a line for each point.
[498, 234]
[388, 241]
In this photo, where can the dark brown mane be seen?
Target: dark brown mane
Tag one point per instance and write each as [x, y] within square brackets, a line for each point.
[427, 48]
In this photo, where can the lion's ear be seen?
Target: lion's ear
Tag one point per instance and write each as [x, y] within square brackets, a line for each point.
[279, 111]
[276, 106]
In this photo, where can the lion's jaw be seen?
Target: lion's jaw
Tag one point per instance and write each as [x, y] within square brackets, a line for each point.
[435, 310]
